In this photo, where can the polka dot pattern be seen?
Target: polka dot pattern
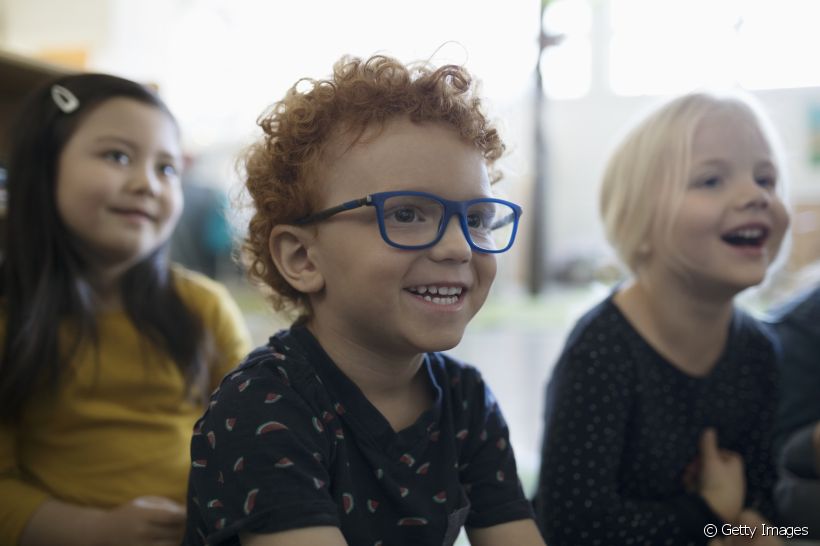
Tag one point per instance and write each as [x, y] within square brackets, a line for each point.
[622, 424]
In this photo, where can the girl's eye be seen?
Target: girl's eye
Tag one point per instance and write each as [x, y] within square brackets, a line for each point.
[168, 170]
[118, 157]
[766, 181]
[709, 182]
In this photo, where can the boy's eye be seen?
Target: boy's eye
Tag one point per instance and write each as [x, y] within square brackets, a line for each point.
[404, 215]
[482, 216]
[479, 220]
[118, 157]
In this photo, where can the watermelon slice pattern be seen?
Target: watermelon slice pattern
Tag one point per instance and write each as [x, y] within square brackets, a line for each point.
[318, 423]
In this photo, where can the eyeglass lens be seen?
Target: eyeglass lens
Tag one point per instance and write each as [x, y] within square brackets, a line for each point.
[412, 220]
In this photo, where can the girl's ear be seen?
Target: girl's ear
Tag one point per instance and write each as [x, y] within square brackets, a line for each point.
[289, 248]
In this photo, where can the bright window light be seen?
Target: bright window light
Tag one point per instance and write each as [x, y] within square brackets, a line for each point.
[566, 68]
[670, 46]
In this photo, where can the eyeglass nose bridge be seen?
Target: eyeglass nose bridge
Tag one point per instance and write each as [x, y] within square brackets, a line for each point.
[458, 209]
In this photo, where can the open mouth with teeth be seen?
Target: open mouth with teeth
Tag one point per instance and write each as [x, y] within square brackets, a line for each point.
[747, 237]
[440, 295]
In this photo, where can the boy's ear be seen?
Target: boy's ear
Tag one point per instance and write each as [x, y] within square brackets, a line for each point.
[289, 248]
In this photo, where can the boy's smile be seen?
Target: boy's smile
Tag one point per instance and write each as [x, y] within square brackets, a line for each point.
[393, 301]
[437, 294]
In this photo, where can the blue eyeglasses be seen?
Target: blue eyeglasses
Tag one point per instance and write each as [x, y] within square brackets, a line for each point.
[413, 220]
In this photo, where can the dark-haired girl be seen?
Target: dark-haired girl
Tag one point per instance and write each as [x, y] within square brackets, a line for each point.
[107, 350]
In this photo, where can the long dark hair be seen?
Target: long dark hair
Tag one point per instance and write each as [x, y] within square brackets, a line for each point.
[43, 280]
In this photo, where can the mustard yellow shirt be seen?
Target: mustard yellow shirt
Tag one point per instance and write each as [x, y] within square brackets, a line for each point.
[120, 425]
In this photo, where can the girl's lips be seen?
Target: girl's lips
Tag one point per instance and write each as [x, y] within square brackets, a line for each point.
[137, 213]
[753, 235]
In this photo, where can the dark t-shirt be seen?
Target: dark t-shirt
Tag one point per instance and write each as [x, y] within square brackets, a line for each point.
[797, 324]
[622, 424]
[290, 442]
[797, 493]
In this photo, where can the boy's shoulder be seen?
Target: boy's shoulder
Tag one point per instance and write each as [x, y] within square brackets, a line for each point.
[275, 383]
[278, 361]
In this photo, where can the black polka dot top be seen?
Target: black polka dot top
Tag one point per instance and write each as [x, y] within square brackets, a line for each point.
[622, 426]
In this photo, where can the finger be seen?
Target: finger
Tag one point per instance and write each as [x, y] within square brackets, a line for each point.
[165, 518]
[735, 459]
[160, 503]
[708, 444]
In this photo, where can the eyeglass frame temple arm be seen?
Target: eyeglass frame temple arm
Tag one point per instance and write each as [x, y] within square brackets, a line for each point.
[327, 213]
[507, 220]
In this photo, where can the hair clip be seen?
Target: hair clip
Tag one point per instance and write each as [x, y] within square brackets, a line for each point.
[64, 99]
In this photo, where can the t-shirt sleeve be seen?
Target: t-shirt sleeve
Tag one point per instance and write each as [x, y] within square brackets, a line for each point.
[578, 500]
[232, 340]
[18, 499]
[487, 463]
[229, 339]
[259, 459]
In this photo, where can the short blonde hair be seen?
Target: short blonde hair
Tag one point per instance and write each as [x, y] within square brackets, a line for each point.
[281, 168]
[650, 169]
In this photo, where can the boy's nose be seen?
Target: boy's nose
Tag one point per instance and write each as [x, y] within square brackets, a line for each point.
[453, 244]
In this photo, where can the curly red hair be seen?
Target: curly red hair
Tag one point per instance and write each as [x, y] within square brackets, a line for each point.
[280, 168]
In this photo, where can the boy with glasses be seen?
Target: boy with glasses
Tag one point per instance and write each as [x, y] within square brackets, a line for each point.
[375, 225]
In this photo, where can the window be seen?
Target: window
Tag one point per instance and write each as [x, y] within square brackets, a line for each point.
[654, 47]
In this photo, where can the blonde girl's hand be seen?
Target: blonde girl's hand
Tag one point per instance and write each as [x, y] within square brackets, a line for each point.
[721, 483]
[755, 520]
[145, 521]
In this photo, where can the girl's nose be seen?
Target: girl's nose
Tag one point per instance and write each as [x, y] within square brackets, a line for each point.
[144, 181]
[755, 196]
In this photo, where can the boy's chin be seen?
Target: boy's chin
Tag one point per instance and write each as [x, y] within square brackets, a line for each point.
[441, 341]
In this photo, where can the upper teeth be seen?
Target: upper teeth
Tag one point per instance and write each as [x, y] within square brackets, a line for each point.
[748, 233]
[440, 290]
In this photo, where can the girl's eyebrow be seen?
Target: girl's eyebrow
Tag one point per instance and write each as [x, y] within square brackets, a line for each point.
[711, 162]
[122, 140]
[132, 145]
